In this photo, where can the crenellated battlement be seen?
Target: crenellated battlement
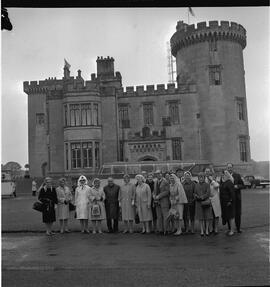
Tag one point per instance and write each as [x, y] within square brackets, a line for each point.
[137, 91]
[186, 35]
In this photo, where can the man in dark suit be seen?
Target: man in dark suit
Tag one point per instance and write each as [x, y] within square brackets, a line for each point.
[238, 185]
[161, 198]
[112, 205]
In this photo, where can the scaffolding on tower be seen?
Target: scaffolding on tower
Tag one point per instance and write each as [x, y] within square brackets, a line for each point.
[171, 65]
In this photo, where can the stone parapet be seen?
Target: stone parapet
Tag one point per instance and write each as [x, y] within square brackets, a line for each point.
[186, 35]
[161, 89]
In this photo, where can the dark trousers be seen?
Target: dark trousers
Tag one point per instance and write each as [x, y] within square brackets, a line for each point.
[115, 224]
[238, 207]
[34, 192]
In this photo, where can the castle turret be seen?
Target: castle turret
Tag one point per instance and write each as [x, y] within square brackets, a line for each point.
[105, 66]
[212, 56]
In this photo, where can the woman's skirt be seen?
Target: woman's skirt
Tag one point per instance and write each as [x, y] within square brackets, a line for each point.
[63, 211]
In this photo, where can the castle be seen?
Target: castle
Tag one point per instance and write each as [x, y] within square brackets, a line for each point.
[76, 125]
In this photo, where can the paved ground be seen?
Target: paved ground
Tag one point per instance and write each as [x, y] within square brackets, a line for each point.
[33, 259]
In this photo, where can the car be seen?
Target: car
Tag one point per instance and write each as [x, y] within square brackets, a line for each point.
[247, 181]
[255, 181]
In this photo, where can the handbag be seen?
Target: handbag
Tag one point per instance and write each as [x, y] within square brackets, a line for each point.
[206, 203]
[95, 211]
[71, 206]
[39, 206]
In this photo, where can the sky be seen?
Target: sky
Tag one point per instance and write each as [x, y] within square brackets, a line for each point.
[136, 38]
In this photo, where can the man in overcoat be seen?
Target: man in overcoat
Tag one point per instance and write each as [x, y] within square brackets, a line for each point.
[111, 191]
[162, 199]
[238, 185]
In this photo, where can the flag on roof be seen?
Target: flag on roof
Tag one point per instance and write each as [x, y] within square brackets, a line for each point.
[191, 11]
[67, 64]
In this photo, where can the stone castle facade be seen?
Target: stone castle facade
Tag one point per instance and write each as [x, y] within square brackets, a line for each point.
[76, 125]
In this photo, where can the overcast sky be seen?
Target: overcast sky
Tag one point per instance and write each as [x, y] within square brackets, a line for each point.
[136, 37]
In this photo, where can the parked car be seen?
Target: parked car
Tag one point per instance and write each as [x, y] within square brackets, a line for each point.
[255, 181]
[247, 181]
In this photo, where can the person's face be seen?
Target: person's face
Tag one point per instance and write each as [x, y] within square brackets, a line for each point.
[139, 180]
[180, 173]
[82, 181]
[187, 177]
[150, 178]
[48, 182]
[97, 184]
[230, 167]
[110, 181]
[172, 180]
[207, 172]
[126, 179]
[159, 175]
[167, 176]
[62, 183]
[201, 178]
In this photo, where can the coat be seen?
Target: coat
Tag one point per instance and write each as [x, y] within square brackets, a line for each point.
[49, 198]
[143, 202]
[214, 197]
[63, 194]
[126, 196]
[111, 201]
[97, 196]
[227, 195]
[240, 184]
[189, 188]
[162, 188]
[82, 201]
[202, 192]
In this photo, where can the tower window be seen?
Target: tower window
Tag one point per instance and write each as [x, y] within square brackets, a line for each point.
[40, 119]
[123, 116]
[95, 115]
[213, 44]
[148, 114]
[74, 115]
[66, 151]
[215, 75]
[97, 154]
[241, 109]
[87, 154]
[174, 112]
[76, 155]
[86, 114]
[177, 148]
[243, 149]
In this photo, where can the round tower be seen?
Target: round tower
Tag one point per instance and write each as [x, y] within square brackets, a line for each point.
[211, 55]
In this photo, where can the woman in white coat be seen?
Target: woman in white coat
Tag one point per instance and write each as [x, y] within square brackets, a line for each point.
[215, 202]
[143, 202]
[82, 193]
[64, 197]
[178, 199]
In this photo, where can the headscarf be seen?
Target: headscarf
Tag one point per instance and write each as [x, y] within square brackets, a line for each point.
[140, 176]
[176, 179]
[82, 184]
[94, 180]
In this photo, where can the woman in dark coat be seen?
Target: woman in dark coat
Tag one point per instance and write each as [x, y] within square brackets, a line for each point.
[48, 196]
[150, 181]
[227, 201]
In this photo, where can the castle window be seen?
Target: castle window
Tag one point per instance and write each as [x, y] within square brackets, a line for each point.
[95, 115]
[243, 148]
[76, 155]
[174, 112]
[213, 44]
[176, 149]
[66, 153]
[121, 151]
[65, 115]
[74, 115]
[40, 119]
[86, 114]
[241, 109]
[87, 154]
[97, 154]
[215, 75]
[123, 116]
[148, 113]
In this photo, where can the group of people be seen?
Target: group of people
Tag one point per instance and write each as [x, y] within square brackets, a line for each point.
[164, 204]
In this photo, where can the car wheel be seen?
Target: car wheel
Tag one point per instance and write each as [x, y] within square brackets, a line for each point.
[263, 186]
